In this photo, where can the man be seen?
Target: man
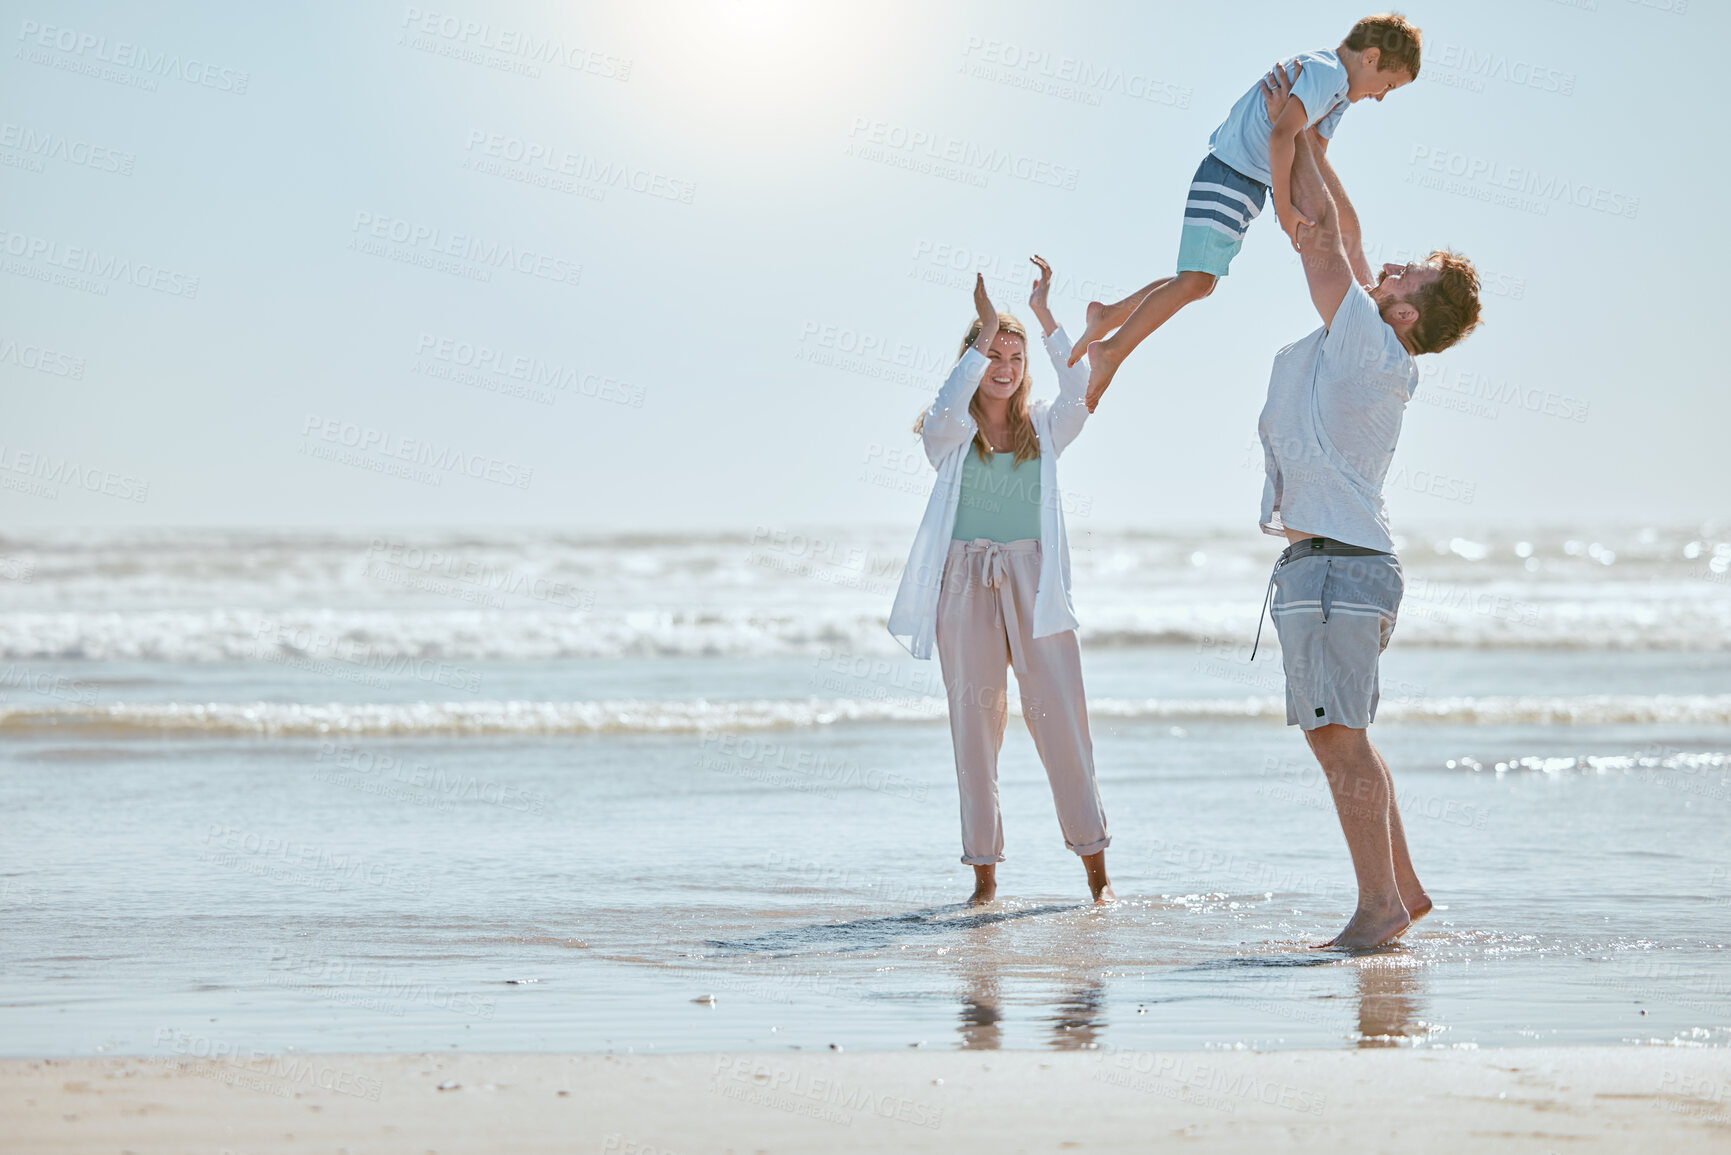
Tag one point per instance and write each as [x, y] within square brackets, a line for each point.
[1335, 401]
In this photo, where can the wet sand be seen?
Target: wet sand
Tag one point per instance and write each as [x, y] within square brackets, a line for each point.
[1538, 1100]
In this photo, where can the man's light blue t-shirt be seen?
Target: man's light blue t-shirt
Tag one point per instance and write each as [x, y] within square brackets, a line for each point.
[1329, 427]
[1241, 141]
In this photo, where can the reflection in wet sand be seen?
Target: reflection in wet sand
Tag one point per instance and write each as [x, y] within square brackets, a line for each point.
[982, 1011]
[1076, 1016]
[1080, 1018]
[982, 996]
[1388, 1001]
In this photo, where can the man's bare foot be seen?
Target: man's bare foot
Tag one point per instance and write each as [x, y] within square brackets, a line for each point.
[1097, 327]
[1416, 908]
[1371, 928]
[1103, 362]
[985, 885]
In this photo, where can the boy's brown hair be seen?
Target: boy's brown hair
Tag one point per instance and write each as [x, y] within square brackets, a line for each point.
[1448, 307]
[1398, 41]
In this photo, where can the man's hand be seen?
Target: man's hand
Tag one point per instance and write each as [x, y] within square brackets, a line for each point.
[1277, 86]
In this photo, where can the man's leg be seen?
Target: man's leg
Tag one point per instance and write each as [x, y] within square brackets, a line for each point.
[1363, 797]
[1412, 895]
[1155, 310]
[1103, 318]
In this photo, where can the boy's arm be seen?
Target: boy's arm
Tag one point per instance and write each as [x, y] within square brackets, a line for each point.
[1351, 237]
[1323, 252]
[1283, 140]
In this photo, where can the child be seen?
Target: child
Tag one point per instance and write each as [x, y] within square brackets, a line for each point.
[1247, 155]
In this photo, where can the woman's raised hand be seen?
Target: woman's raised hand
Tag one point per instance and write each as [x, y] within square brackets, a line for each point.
[988, 314]
[1037, 298]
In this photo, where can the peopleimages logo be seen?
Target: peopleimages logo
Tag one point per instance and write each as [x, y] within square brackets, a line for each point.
[43, 360]
[517, 374]
[1525, 181]
[40, 146]
[50, 470]
[1477, 66]
[1069, 77]
[81, 260]
[581, 167]
[920, 149]
[418, 451]
[86, 46]
[459, 33]
[465, 246]
[1478, 386]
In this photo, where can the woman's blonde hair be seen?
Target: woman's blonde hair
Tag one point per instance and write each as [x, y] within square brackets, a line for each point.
[1021, 425]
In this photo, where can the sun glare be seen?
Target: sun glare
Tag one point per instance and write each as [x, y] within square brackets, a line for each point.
[767, 53]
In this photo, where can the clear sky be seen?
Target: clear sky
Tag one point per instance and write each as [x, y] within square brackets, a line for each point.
[698, 266]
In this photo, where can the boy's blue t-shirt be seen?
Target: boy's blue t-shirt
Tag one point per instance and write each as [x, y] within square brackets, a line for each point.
[1241, 141]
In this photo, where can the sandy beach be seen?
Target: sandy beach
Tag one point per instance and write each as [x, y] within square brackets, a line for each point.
[1538, 1100]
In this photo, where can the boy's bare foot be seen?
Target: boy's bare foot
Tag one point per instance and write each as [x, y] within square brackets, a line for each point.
[1096, 328]
[1103, 895]
[1417, 906]
[1369, 928]
[985, 885]
[1103, 362]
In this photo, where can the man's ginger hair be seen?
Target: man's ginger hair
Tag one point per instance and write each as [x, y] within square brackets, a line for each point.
[1399, 42]
[1448, 307]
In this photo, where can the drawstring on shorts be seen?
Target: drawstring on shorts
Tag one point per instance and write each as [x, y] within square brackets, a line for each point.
[1325, 547]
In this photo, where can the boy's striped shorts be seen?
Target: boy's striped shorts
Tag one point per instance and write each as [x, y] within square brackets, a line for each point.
[1220, 206]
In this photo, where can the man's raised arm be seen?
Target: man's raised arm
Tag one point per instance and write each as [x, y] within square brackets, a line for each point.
[1322, 248]
[1351, 236]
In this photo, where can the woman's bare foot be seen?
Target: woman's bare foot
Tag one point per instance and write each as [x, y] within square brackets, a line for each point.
[985, 885]
[1103, 362]
[1098, 884]
[1369, 928]
[1098, 326]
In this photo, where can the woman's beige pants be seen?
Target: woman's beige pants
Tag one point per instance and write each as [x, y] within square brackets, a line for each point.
[985, 622]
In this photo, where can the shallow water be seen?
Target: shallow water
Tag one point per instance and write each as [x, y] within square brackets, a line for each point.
[254, 796]
[579, 891]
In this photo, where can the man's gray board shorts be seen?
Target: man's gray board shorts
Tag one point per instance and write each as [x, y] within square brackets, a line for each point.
[1334, 607]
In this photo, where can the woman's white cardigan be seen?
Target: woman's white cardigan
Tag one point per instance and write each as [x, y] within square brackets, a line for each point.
[948, 433]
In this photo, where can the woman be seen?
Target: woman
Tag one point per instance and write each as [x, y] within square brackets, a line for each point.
[988, 581]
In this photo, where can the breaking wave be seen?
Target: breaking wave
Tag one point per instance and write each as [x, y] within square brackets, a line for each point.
[699, 716]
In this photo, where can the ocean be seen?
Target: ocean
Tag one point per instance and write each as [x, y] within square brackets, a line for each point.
[540, 791]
